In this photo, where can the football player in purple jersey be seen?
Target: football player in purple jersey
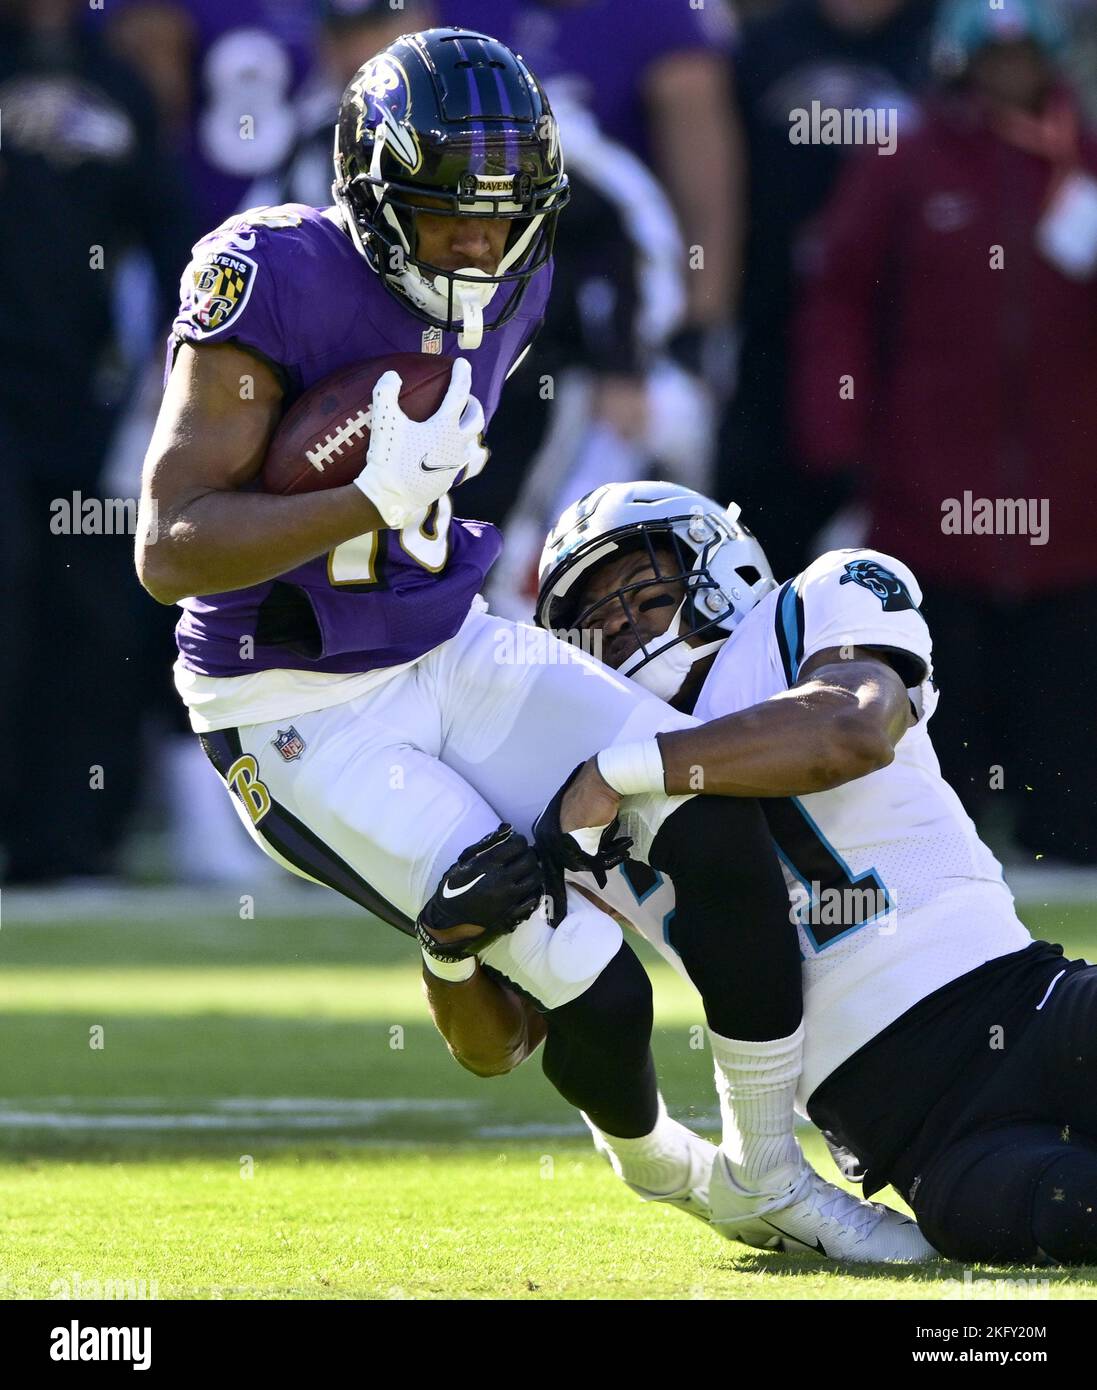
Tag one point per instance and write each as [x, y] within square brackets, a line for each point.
[381, 733]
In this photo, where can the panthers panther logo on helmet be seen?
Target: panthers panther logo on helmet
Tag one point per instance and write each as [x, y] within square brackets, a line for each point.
[888, 587]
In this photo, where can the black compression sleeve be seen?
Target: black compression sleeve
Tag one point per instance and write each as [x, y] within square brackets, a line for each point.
[732, 924]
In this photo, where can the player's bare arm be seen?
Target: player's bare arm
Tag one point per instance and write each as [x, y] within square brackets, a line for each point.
[488, 1028]
[840, 721]
[211, 537]
[690, 102]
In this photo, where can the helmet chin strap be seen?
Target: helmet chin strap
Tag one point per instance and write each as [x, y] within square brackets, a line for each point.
[472, 301]
[433, 296]
[664, 674]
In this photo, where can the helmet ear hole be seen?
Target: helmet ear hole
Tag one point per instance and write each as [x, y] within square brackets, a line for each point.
[748, 574]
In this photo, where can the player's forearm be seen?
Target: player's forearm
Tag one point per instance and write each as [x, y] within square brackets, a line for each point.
[218, 541]
[711, 215]
[486, 1027]
[810, 739]
[691, 109]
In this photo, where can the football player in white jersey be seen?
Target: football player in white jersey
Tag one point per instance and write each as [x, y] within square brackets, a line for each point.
[954, 1056]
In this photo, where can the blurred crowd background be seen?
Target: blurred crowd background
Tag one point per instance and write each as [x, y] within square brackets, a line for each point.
[841, 339]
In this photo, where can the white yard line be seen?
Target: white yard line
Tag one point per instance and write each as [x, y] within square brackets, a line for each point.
[125, 903]
[232, 1113]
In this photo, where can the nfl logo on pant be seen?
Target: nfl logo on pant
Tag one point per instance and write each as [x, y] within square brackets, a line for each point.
[289, 743]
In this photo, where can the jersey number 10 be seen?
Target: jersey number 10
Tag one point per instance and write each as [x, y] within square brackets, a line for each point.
[425, 538]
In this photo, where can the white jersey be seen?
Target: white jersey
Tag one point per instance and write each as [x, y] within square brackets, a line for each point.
[893, 892]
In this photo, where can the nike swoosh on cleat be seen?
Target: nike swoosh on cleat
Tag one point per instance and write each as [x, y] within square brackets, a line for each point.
[456, 892]
[819, 1246]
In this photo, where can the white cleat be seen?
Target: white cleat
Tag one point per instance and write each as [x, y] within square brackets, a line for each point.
[693, 1195]
[810, 1215]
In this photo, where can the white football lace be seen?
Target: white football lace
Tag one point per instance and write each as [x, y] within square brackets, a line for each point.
[841, 1209]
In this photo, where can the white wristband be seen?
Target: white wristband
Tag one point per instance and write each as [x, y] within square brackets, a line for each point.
[632, 769]
[453, 971]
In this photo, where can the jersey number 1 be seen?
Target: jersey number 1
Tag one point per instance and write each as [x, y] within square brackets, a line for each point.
[830, 901]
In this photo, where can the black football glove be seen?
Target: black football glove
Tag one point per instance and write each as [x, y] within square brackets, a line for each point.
[495, 884]
[559, 851]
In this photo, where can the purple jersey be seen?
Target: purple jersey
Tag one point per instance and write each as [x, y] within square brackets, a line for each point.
[287, 284]
[599, 51]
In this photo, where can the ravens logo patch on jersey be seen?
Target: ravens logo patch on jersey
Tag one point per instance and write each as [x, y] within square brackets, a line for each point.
[221, 284]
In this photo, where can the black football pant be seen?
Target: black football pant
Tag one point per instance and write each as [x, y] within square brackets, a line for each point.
[1020, 1184]
[744, 961]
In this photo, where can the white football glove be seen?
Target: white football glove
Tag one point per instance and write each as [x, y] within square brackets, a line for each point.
[410, 464]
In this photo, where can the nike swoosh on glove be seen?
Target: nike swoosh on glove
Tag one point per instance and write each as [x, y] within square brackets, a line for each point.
[410, 464]
[561, 850]
[495, 884]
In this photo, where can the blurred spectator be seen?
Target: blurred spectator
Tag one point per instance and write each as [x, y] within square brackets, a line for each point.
[955, 285]
[226, 74]
[83, 176]
[654, 76]
[1081, 54]
[844, 54]
[350, 32]
[594, 403]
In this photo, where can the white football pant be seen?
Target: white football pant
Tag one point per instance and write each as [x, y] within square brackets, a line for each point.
[386, 790]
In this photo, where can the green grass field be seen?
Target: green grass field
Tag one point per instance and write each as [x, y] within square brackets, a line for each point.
[271, 1115]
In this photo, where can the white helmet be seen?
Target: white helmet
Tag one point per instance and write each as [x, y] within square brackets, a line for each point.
[724, 569]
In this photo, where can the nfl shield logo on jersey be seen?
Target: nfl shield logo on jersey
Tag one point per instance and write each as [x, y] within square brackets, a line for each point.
[432, 341]
[289, 743]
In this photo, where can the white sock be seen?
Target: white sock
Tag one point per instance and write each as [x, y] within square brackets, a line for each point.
[657, 1162]
[756, 1083]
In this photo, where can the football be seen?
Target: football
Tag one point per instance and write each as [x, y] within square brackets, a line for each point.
[323, 439]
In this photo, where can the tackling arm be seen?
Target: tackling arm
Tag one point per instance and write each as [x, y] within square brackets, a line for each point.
[840, 721]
